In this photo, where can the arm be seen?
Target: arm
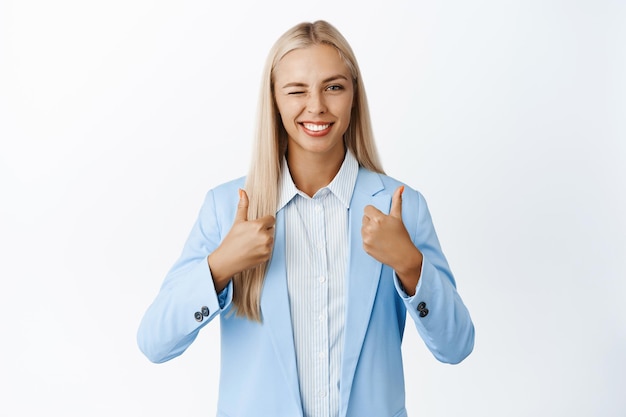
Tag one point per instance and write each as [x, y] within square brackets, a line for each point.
[170, 324]
[406, 241]
[443, 321]
[199, 287]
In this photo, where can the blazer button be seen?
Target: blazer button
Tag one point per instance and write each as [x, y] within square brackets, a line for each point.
[198, 315]
[421, 307]
[205, 311]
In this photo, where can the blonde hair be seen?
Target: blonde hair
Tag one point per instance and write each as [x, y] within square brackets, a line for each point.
[271, 144]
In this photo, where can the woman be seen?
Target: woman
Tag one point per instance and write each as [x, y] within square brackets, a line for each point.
[313, 260]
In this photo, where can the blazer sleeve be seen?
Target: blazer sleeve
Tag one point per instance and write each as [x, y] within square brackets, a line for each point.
[187, 300]
[441, 317]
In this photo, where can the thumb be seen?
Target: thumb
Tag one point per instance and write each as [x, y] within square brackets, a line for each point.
[242, 207]
[396, 203]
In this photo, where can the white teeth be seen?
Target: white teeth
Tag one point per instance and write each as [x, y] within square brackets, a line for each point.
[315, 128]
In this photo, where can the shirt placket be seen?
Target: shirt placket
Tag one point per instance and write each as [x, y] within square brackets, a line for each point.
[321, 348]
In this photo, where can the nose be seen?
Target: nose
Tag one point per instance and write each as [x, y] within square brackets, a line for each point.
[316, 103]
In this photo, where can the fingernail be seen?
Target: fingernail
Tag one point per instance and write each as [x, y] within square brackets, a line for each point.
[401, 190]
[240, 193]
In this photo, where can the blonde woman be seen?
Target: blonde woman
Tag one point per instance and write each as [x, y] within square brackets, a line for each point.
[314, 259]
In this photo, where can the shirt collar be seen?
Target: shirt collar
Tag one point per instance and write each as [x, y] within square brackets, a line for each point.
[341, 186]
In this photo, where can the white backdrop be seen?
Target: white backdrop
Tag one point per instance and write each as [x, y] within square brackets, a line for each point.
[116, 117]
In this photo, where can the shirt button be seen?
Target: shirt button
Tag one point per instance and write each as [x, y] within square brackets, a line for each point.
[321, 394]
[321, 317]
[318, 208]
[322, 355]
[322, 279]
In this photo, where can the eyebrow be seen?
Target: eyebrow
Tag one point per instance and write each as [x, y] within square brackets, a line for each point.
[327, 80]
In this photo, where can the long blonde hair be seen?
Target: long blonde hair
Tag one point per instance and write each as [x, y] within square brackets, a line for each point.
[271, 144]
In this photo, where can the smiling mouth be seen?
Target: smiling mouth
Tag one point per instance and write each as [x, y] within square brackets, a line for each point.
[313, 127]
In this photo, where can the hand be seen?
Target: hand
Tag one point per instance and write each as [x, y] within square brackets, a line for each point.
[386, 239]
[247, 244]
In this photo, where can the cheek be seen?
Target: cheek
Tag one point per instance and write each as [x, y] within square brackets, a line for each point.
[286, 109]
[347, 109]
[287, 117]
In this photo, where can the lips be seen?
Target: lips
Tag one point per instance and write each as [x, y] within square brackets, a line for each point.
[316, 129]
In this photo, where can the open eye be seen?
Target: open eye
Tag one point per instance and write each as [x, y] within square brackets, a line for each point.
[334, 87]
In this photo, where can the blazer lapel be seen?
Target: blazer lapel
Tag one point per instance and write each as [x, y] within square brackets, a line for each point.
[363, 277]
[276, 312]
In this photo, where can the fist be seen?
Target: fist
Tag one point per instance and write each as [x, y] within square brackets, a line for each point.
[386, 239]
[247, 244]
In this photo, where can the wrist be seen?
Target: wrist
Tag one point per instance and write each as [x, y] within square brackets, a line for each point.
[409, 271]
[410, 263]
[221, 276]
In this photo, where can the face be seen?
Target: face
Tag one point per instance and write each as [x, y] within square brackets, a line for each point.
[314, 93]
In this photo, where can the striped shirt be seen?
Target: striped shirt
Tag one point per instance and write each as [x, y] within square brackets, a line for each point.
[316, 236]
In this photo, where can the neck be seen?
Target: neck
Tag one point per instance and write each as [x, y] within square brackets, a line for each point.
[311, 172]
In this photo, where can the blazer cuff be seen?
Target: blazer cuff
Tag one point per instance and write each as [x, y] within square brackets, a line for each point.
[225, 297]
[425, 292]
[200, 277]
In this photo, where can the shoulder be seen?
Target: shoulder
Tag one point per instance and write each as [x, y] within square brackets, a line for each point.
[227, 190]
[415, 212]
[223, 198]
[219, 206]
[388, 185]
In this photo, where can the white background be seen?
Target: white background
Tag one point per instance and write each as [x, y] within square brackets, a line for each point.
[116, 117]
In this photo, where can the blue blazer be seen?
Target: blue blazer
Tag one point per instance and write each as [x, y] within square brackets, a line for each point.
[258, 375]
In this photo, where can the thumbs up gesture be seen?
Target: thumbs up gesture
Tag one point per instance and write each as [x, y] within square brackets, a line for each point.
[386, 239]
[247, 244]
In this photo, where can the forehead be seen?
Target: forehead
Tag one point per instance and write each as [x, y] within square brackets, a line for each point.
[317, 61]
